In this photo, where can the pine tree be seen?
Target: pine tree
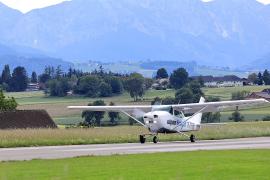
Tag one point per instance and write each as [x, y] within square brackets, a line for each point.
[34, 77]
[5, 78]
[266, 77]
[19, 80]
[260, 79]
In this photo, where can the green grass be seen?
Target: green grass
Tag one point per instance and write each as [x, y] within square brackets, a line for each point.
[38, 97]
[230, 164]
[249, 114]
[225, 92]
[122, 134]
[32, 98]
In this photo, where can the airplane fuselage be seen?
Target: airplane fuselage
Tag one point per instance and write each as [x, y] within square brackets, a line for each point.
[165, 122]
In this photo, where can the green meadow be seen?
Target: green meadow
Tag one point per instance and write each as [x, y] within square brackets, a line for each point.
[123, 134]
[56, 106]
[229, 164]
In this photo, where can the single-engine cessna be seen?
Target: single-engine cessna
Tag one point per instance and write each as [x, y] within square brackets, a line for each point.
[170, 118]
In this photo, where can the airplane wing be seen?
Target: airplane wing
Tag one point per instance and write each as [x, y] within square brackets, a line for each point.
[185, 108]
[218, 106]
[145, 108]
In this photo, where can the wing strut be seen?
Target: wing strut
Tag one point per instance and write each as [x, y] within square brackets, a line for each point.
[135, 119]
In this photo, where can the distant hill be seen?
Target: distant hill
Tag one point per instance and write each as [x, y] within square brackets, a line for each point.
[260, 63]
[170, 66]
[32, 60]
[218, 33]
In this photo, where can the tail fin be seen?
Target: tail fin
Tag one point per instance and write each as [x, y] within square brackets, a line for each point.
[198, 117]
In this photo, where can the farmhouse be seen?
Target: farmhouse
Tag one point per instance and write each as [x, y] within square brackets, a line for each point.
[160, 84]
[33, 87]
[225, 81]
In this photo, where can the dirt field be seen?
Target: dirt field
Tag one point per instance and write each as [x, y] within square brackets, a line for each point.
[26, 119]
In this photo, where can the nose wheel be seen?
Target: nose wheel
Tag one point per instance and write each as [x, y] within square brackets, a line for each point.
[155, 139]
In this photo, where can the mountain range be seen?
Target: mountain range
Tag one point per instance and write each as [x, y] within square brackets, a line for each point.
[220, 33]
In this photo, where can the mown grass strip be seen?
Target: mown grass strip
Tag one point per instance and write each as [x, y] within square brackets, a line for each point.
[233, 164]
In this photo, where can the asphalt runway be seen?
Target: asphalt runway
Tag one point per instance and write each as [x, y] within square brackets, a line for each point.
[57, 152]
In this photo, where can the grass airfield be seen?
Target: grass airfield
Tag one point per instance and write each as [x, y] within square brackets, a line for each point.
[122, 134]
[225, 164]
[231, 164]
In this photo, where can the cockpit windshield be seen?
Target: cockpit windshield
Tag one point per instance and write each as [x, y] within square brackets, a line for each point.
[168, 109]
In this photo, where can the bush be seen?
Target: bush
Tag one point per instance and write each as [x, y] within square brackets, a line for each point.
[58, 87]
[239, 95]
[116, 85]
[266, 118]
[105, 90]
[88, 85]
[4, 86]
[236, 116]
[7, 104]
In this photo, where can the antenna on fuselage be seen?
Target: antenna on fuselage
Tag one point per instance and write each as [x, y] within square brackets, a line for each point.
[179, 101]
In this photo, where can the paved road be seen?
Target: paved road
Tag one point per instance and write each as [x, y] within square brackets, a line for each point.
[57, 152]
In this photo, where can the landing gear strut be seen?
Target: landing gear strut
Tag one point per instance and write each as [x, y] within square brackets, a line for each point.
[192, 138]
[142, 138]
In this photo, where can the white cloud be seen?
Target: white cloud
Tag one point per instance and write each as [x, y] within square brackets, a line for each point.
[27, 5]
[264, 1]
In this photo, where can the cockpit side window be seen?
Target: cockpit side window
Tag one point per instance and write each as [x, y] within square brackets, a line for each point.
[168, 109]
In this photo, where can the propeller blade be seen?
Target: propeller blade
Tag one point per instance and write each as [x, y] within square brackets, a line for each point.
[138, 113]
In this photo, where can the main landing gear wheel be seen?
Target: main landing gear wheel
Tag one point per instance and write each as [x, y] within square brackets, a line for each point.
[142, 139]
[192, 138]
[155, 139]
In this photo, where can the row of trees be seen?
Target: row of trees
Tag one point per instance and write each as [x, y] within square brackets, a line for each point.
[95, 84]
[98, 83]
[260, 78]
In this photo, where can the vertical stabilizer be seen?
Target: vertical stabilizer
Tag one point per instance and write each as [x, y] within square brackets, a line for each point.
[198, 117]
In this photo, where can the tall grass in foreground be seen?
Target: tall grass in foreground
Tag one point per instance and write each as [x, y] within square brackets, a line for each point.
[122, 134]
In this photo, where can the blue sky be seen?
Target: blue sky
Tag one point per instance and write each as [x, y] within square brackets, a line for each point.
[27, 5]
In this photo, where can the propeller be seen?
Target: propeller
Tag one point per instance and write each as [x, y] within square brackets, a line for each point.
[138, 113]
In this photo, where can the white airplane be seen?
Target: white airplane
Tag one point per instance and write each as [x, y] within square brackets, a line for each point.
[171, 118]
